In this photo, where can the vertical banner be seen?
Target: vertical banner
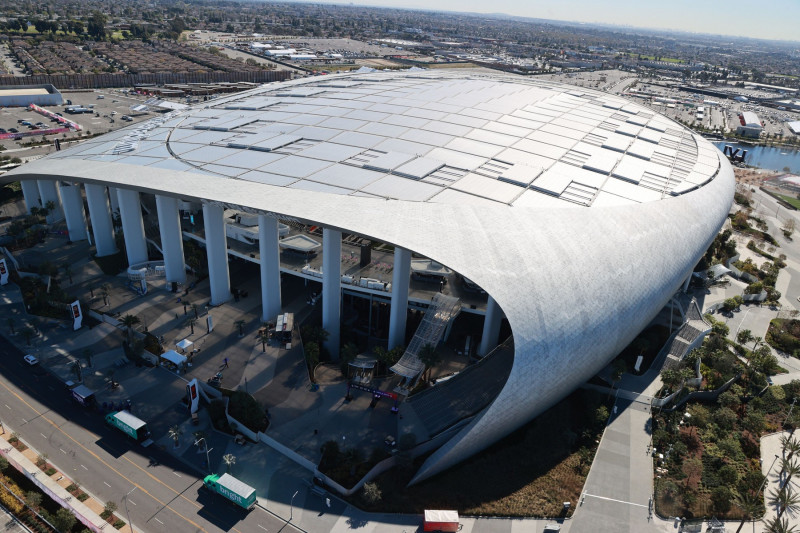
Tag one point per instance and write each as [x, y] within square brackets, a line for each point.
[77, 315]
[194, 396]
[3, 272]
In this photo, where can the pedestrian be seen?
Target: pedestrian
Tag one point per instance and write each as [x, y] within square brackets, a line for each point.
[226, 362]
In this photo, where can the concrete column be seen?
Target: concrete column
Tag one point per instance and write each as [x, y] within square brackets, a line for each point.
[169, 225]
[130, 211]
[30, 190]
[399, 311]
[113, 199]
[270, 267]
[491, 327]
[332, 288]
[48, 192]
[686, 283]
[100, 214]
[73, 211]
[217, 251]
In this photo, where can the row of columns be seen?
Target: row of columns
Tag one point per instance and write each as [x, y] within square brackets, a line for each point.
[102, 201]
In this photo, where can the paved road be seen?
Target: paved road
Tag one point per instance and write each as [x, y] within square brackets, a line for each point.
[167, 495]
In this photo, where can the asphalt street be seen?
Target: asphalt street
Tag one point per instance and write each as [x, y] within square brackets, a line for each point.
[165, 495]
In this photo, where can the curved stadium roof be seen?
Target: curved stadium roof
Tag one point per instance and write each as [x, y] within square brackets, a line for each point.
[579, 212]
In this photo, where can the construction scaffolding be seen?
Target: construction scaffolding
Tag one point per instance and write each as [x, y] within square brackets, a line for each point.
[442, 310]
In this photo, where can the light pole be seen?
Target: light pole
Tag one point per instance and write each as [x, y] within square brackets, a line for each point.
[127, 514]
[205, 445]
[291, 504]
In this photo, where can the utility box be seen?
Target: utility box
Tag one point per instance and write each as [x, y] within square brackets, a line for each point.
[440, 521]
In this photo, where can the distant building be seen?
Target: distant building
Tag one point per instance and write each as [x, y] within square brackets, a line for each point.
[794, 127]
[750, 125]
[24, 95]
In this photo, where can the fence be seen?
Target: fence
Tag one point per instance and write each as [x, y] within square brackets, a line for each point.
[99, 81]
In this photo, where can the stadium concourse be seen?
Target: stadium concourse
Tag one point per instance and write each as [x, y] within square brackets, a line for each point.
[579, 213]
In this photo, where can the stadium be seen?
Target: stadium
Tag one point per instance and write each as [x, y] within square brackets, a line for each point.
[564, 216]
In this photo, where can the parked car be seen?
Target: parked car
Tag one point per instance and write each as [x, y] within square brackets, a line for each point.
[31, 360]
[13, 130]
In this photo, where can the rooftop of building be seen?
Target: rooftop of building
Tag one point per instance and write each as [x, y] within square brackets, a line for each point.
[426, 137]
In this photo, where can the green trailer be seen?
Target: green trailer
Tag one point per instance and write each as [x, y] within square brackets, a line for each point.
[231, 488]
[131, 426]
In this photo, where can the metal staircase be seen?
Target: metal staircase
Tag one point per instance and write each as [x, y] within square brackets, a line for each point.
[443, 309]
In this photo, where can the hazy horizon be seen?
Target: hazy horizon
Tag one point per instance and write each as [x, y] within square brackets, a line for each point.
[736, 18]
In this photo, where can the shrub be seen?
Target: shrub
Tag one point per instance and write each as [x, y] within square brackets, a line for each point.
[721, 499]
[372, 493]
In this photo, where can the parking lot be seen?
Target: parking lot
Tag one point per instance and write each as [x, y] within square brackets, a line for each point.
[108, 107]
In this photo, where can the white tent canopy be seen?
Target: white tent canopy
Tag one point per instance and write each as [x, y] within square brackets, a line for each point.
[184, 344]
[173, 357]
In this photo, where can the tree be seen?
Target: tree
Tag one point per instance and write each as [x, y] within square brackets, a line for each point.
[64, 520]
[789, 446]
[779, 525]
[105, 290]
[721, 499]
[744, 336]
[311, 350]
[191, 322]
[175, 433]
[67, 271]
[372, 493]
[784, 499]
[750, 505]
[229, 459]
[240, 325]
[129, 321]
[263, 336]
[33, 499]
[430, 358]
[96, 27]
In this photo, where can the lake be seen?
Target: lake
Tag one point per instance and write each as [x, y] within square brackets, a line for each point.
[767, 157]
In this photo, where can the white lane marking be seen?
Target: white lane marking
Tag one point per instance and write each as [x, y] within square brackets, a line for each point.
[84, 467]
[262, 527]
[106, 484]
[42, 434]
[62, 451]
[613, 500]
[131, 501]
[159, 521]
[177, 474]
[24, 421]
[7, 407]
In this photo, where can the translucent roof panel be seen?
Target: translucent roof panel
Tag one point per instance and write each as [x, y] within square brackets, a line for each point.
[401, 188]
[461, 137]
[488, 188]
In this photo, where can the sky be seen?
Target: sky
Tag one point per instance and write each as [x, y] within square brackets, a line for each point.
[773, 19]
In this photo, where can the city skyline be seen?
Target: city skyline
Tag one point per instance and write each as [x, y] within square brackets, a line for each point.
[701, 16]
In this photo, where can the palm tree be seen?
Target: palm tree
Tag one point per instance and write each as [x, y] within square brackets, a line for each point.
[191, 322]
[749, 503]
[194, 309]
[263, 336]
[789, 469]
[789, 446]
[430, 357]
[784, 499]
[129, 321]
[105, 290]
[175, 433]
[229, 459]
[67, 271]
[779, 525]
[240, 324]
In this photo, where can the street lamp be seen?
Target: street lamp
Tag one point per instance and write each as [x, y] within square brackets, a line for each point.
[291, 504]
[127, 514]
[205, 445]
